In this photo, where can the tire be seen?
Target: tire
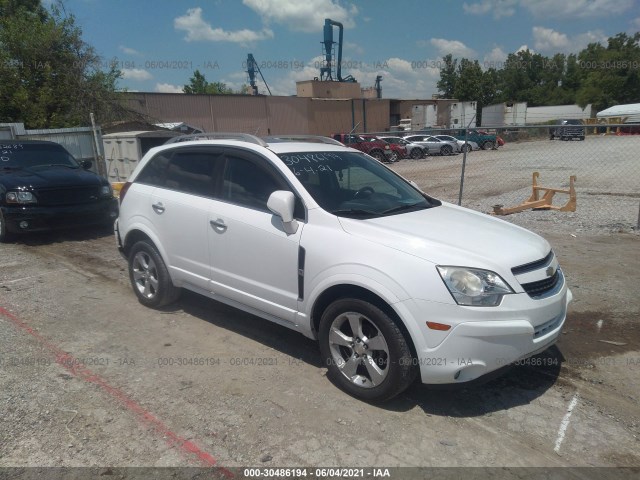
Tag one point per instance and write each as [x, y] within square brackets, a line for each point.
[465, 148]
[149, 276]
[488, 145]
[378, 155]
[446, 150]
[417, 153]
[394, 157]
[356, 340]
[4, 235]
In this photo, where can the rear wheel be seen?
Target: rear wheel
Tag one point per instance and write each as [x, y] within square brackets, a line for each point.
[366, 354]
[149, 276]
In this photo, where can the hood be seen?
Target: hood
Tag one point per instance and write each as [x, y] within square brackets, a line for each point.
[451, 235]
[51, 177]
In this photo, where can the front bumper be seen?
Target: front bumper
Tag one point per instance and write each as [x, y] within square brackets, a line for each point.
[27, 218]
[483, 340]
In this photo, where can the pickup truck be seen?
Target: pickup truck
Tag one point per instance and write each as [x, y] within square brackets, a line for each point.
[487, 141]
[378, 149]
[567, 130]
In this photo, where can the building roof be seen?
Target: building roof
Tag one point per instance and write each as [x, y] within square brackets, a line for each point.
[630, 112]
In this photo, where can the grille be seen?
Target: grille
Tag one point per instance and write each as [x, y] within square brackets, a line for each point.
[530, 267]
[68, 195]
[543, 287]
[547, 327]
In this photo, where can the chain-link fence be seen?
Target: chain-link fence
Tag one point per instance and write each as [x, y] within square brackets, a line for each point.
[606, 166]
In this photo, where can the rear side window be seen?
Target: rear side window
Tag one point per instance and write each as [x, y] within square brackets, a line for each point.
[188, 171]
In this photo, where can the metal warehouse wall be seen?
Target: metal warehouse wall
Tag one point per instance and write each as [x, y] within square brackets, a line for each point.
[262, 115]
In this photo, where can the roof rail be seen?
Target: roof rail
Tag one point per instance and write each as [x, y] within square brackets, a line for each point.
[245, 137]
[302, 138]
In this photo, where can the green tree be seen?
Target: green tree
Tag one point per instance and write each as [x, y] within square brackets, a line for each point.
[610, 75]
[199, 84]
[448, 76]
[51, 78]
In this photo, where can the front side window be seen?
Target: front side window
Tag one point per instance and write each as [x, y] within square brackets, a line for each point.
[352, 185]
[248, 184]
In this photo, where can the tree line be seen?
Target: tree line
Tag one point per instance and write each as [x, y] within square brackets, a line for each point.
[599, 75]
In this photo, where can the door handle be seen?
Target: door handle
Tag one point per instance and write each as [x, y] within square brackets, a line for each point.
[158, 207]
[219, 225]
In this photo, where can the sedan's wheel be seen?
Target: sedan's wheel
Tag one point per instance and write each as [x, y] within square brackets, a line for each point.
[149, 276]
[378, 155]
[417, 153]
[488, 145]
[366, 353]
[446, 150]
[466, 148]
[394, 157]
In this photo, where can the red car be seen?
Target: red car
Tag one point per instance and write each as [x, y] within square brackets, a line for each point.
[378, 149]
[397, 151]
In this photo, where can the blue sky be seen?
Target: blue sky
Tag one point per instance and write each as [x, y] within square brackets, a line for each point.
[158, 44]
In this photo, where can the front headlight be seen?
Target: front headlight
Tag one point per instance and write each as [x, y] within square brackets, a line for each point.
[20, 198]
[106, 191]
[474, 287]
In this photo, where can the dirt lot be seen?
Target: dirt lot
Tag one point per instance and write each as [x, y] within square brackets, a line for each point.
[89, 377]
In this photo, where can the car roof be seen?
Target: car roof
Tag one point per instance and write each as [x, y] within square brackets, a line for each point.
[275, 147]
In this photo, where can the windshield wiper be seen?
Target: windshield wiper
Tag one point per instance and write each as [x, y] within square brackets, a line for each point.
[354, 211]
[406, 206]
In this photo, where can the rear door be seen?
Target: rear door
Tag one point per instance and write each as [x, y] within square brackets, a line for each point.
[179, 211]
[253, 260]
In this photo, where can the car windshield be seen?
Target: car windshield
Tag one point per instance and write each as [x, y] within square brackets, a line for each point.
[31, 155]
[351, 184]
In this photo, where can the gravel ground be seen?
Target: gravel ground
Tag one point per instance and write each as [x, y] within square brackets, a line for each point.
[607, 185]
[85, 379]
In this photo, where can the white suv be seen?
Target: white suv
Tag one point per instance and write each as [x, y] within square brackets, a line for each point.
[327, 241]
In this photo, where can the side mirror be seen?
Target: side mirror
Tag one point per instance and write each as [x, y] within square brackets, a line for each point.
[282, 203]
[86, 164]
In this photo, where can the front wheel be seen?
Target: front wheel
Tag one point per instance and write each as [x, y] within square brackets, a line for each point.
[378, 155]
[394, 157]
[488, 145]
[417, 153]
[3, 229]
[446, 150]
[466, 148]
[149, 276]
[365, 352]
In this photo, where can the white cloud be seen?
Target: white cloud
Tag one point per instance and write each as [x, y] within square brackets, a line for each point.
[400, 65]
[577, 8]
[524, 48]
[546, 39]
[551, 41]
[305, 16]
[128, 51]
[199, 30]
[138, 74]
[454, 47]
[499, 8]
[550, 8]
[167, 88]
